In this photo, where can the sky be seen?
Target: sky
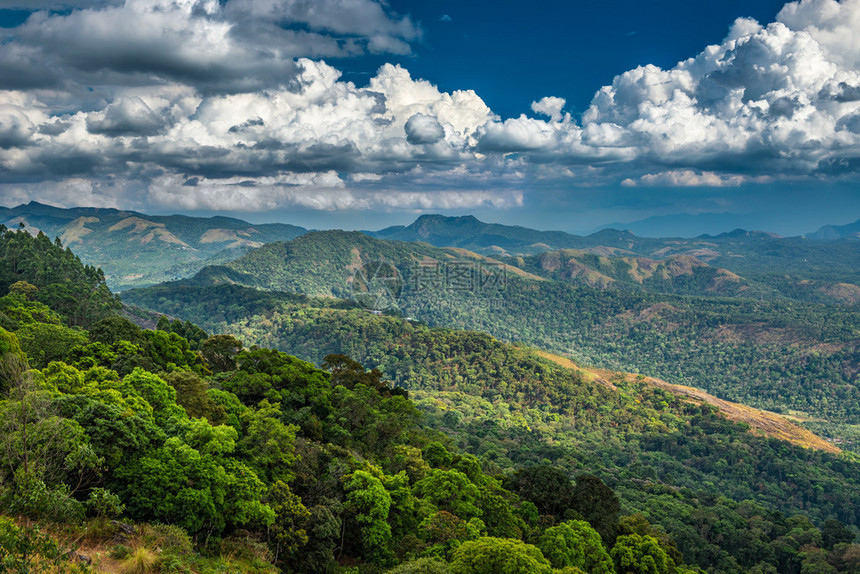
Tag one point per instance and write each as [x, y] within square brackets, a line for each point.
[661, 116]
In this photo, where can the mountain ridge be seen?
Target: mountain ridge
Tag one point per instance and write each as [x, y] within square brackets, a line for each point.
[135, 249]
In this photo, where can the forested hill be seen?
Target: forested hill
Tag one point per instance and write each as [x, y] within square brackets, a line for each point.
[658, 451]
[768, 352]
[135, 249]
[823, 266]
[123, 449]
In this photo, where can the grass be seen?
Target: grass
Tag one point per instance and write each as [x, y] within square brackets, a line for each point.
[760, 422]
[142, 560]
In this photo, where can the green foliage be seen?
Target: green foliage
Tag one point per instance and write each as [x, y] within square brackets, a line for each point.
[192, 395]
[160, 396]
[452, 491]
[369, 502]
[220, 352]
[43, 342]
[272, 459]
[290, 517]
[548, 487]
[635, 554]
[13, 361]
[681, 465]
[30, 551]
[195, 489]
[598, 504]
[575, 544]
[491, 555]
[436, 455]
[425, 565]
[102, 503]
[77, 292]
[23, 289]
[187, 330]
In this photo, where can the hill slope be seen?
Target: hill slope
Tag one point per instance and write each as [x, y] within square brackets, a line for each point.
[773, 354]
[135, 249]
[784, 264]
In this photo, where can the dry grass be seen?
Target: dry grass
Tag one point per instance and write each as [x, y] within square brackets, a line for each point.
[760, 422]
[142, 560]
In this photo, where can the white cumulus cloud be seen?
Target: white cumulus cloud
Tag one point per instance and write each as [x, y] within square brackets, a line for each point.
[207, 104]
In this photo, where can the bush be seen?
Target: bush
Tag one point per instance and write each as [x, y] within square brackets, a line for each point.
[29, 550]
[141, 560]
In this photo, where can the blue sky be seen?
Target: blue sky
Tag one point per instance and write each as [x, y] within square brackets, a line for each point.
[361, 114]
[513, 52]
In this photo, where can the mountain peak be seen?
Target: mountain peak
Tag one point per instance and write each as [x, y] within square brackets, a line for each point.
[437, 218]
[834, 232]
[436, 224]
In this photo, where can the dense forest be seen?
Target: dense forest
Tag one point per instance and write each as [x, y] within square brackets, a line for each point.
[792, 356]
[135, 450]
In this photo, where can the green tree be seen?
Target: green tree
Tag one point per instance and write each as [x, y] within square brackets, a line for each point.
[369, 503]
[575, 543]
[191, 394]
[156, 392]
[291, 516]
[491, 555]
[220, 352]
[548, 487]
[44, 342]
[30, 551]
[450, 490]
[635, 554]
[268, 443]
[598, 504]
[24, 289]
[13, 362]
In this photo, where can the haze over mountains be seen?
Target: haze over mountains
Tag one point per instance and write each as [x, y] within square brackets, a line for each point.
[136, 249]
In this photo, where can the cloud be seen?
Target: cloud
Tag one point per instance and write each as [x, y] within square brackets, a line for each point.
[216, 46]
[53, 4]
[127, 116]
[775, 100]
[137, 100]
[421, 129]
[549, 106]
[686, 178]
[833, 25]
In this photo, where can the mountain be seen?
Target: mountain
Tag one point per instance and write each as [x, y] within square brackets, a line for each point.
[134, 249]
[132, 449]
[487, 238]
[796, 267]
[675, 274]
[836, 232]
[676, 319]
[669, 452]
[328, 263]
[684, 224]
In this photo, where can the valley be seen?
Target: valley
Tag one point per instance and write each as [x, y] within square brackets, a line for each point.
[685, 389]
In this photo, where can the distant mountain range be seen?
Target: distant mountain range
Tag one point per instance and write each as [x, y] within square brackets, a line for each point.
[752, 254]
[834, 232]
[135, 249]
